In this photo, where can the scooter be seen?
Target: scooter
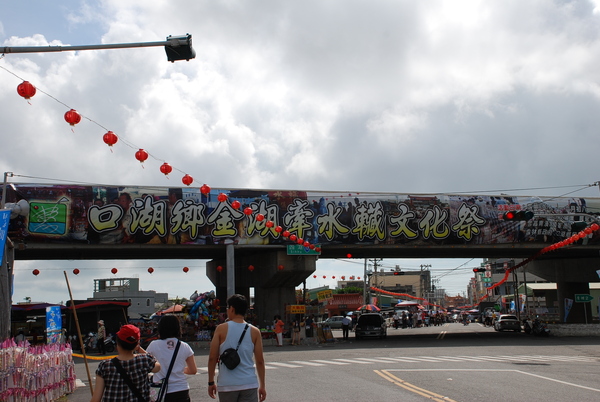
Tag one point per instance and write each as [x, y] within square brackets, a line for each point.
[539, 328]
[527, 325]
[90, 343]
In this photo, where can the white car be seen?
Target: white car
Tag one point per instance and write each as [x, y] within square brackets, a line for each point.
[334, 322]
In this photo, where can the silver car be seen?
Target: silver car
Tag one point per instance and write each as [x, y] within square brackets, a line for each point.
[334, 322]
[507, 321]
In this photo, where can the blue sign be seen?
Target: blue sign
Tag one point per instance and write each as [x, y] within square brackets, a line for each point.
[53, 324]
[4, 220]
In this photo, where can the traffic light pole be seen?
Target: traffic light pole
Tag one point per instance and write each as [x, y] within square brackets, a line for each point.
[177, 47]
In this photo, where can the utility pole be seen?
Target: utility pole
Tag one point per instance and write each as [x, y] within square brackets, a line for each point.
[375, 261]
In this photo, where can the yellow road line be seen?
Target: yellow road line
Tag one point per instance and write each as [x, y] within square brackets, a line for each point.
[94, 357]
[413, 388]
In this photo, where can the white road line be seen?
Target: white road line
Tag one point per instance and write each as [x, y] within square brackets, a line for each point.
[375, 360]
[352, 361]
[281, 364]
[79, 383]
[307, 363]
[330, 362]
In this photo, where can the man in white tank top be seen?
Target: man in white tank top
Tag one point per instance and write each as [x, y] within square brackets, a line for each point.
[245, 383]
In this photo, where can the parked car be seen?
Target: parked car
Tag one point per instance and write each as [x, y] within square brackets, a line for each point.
[507, 321]
[334, 322]
[370, 324]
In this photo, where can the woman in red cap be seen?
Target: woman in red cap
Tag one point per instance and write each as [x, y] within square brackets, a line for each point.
[111, 385]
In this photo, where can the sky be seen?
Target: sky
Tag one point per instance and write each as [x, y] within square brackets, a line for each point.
[385, 96]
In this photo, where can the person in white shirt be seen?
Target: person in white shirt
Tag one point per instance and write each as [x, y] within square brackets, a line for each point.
[346, 326]
[169, 331]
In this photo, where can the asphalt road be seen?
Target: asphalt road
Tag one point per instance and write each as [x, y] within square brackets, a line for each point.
[446, 363]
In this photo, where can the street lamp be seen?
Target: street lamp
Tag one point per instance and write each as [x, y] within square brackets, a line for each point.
[176, 47]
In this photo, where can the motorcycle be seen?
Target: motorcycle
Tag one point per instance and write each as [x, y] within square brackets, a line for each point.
[539, 328]
[90, 342]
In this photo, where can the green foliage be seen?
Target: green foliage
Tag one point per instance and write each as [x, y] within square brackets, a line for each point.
[351, 289]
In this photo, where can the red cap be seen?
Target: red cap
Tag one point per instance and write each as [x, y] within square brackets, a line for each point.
[129, 333]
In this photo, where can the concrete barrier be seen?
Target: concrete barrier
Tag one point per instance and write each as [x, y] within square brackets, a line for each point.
[574, 329]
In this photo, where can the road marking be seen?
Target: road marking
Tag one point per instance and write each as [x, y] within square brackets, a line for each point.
[330, 362]
[442, 334]
[376, 360]
[497, 371]
[281, 364]
[307, 363]
[79, 383]
[413, 388]
[352, 361]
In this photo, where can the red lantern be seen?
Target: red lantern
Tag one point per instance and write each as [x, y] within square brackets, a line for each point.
[205, 189]
[300, 240]
[114, 271]
[236, 204]
[333, 277]
[594, 226]
[165, 168]
[76, 271]
[260, 217]
[110, 138]
[314, 276]
[150, 269]
[312, 246]
[219, 268]
[280, 267]
[186, 269]
[36, 272]
[26, 89]
[141, 155]
[187, 179]
[358, 278]
[72, 117]
[324, 277]
[286, 233]
[251, 268]
[343, 278]
[293, 237]
[222, 197]
[248, 211]
[278, 229]
[306, 244]
[269, 224]
[318, 249]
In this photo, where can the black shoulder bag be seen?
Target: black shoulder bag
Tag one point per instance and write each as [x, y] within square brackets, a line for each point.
[127, 380]
[230, 357]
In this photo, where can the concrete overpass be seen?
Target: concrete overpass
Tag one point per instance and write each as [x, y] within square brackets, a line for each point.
[235, 228]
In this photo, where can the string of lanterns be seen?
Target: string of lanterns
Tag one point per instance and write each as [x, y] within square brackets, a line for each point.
[27, 90]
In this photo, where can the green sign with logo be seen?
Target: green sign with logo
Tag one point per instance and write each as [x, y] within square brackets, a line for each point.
[299, 249]
[582, 298]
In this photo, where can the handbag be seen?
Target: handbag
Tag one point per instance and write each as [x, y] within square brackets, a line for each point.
[127, 380]
[230, 357]
[158, 390]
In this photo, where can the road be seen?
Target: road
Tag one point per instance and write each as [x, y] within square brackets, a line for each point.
[446, 363]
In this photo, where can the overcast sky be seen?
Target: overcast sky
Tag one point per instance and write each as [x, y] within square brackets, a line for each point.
[391, 96]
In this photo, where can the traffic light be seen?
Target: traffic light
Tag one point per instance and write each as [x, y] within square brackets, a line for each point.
[517, 215]
[180, 48]
[478, 269]
[398, 273]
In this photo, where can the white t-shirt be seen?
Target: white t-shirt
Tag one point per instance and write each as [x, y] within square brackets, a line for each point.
[163, 350]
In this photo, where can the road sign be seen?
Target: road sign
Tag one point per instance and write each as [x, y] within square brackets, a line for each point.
[299, 249]
[582, 298]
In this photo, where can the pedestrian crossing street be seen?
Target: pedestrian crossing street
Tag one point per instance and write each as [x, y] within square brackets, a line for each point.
[524, 359]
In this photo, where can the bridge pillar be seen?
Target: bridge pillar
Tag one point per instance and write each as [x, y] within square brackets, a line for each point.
[572, 276]
[274, 277]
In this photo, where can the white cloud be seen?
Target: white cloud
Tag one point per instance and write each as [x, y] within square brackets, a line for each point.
[380, 96]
